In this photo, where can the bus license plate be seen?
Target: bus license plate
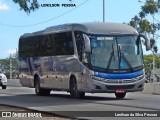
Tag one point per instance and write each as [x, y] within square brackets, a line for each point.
[120, 91]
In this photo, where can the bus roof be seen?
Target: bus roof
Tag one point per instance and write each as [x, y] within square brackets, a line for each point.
[91, 28]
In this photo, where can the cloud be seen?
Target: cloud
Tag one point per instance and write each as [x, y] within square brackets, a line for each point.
[3, 6]
[11, 51]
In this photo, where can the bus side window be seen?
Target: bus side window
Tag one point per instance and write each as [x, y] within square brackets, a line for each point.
[64, 43]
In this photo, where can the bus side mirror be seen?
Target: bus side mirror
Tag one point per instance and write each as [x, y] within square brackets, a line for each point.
[87, 43]
[147, 42]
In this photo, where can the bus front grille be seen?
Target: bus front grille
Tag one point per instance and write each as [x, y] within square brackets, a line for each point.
[115, 87]
[117, 81]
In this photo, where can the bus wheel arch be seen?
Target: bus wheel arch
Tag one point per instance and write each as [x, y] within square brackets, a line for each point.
[74, 89]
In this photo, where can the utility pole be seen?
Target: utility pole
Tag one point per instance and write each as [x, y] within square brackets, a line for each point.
[153, 72]
[103, 10]
[10, 67]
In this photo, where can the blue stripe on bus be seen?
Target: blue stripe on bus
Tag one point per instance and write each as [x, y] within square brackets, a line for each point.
[118, 76]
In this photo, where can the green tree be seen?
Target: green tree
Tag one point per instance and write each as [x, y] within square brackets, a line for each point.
[27, 5]
[148, 64]
[5, 66]
[141, 23]
[151, 7]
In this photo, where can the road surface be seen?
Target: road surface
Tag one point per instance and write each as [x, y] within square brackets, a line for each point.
[93, 106]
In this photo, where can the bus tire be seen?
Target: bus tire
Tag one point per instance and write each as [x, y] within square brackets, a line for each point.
[4, 86]
[39, 91]
[74, 90]
[120, 95]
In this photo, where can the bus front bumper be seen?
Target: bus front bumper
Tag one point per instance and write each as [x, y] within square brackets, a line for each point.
[103, 87]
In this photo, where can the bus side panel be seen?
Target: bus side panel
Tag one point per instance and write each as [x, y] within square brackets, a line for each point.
[25, 73]
[49, 78]
[57, 70]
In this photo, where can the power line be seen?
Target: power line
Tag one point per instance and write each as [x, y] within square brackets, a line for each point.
[156, 19]
[8, 25]
[157, 35]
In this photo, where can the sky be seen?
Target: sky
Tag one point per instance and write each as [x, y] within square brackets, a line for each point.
[15, 22]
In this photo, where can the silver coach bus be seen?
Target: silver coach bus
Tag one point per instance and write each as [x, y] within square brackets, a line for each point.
[83, 58]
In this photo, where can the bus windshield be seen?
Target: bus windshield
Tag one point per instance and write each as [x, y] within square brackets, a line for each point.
[116, 52]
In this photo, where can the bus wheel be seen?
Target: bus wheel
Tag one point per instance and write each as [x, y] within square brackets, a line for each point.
[120, 95]
[39, 91]
[74, 90]
[4, 87]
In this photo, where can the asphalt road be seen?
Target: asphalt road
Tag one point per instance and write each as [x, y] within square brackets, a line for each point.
[93, 106]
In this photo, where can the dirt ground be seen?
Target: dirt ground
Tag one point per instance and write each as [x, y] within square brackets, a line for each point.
[24, 113]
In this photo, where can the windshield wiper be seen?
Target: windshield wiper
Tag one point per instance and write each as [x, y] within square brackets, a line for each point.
[121, 56]
[110, 58]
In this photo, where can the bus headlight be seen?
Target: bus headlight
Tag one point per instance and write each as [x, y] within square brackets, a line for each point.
[98, 78]
[140, 77]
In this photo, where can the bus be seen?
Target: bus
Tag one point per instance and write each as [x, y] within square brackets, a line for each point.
[79, 58]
